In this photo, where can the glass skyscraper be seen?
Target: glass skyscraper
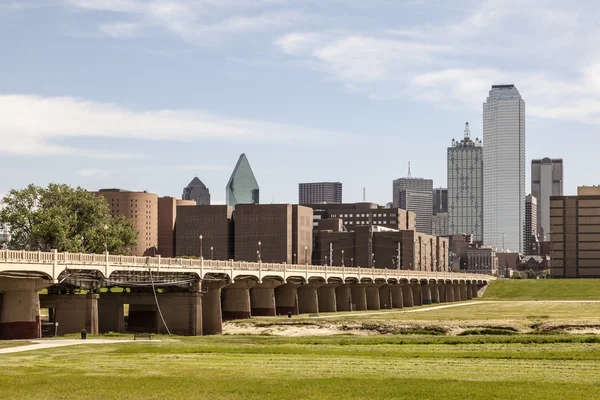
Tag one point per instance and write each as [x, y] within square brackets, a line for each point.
[465, 187]
[242, 187]
[504, 168]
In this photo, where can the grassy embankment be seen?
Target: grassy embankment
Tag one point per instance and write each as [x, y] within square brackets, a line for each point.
[543, 289]
[341, 367]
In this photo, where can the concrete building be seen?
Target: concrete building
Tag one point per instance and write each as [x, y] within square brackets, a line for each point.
[142, 209]
[575, 234]
[546, 181]
[167, 215]
[440, 201]
[197, 191]
[242, 187]
[320, 192]
[214, 223]
[465, 187]
[530, 233]
[481, 260]
[504, 168]
[440, 224]
[416, 195]
[273, 233]
[381, 247]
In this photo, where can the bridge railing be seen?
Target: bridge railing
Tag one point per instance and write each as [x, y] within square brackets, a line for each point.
[22, 256]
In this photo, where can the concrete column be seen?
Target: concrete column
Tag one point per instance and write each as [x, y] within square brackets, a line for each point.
[20, 314]
[385, 297]
[91, 315]
[474, 290]
[463, 292]
[397, 298]
[73, 312]
[236, 299]
[426, 293]
[469, 291]
[327, 300]
[359, 297]
[449, 292]
[308, 298]
[182, 312]
[373, 297]
[417, 295]
[286, 299]
[435, 293]
[262, 298]
[110, 313]
[407, 295]
[212, 316]
[343, 298]
[456, 289]
[442, 292]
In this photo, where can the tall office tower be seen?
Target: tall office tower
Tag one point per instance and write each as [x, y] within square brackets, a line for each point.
[242, 187]
[320, 193]
[197, 191]
[530, 240]
[440, 200]
[465, 187]
[416, 195]
[504, 168]
[546, 181]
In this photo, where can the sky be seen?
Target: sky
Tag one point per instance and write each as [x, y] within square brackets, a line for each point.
[147, 94]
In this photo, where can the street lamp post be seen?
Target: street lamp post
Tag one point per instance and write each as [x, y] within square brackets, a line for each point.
[326, 261]
[258, 252]
[294, 259]
[105, 238]
[200, 246]
[211, 253]
[373, 260]
[352, 261]
[342, 258]
[306, 255]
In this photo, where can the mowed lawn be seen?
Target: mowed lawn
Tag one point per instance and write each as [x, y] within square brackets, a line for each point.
[340, 367]
[543, 289]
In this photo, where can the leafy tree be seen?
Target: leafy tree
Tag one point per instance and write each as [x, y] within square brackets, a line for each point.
[64, 218]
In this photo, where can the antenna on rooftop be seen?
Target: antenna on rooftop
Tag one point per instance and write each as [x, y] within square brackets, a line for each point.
[467, 131]
[364, 193]
[409, 176]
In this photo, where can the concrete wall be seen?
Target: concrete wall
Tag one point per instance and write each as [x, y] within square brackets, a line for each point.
[73, 312]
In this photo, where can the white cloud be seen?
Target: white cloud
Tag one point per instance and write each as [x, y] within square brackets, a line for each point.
[203, 167]
[543, 47]
[31, 125]
[121, 29]
[95, 173]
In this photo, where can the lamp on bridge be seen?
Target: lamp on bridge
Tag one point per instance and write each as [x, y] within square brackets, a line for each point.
[258, 252]
[306, 255]
[342, 258]
[200, 246]
[105, 238]
[211, 252]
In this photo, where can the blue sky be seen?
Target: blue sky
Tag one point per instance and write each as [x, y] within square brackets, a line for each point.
[145, 95]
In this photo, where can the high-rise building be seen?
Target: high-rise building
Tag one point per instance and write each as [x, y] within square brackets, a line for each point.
[320, 192]
[546, 181]
[213, 223]
[242, 187]
[504, 168]
[416, 195]
[440, 200]
[142, 209]
[167, 215]
[465, 187]
[439, 224]
[530, 240]
[197, 191]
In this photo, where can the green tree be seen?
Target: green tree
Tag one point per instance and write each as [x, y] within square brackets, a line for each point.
[64, 218]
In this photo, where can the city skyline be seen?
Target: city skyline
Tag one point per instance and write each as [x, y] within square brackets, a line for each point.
[153, 87]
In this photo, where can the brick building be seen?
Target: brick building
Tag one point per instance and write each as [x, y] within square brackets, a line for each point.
[167, 214]
[214, 223]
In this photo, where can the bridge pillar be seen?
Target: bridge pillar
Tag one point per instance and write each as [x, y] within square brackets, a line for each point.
[286, 299]
[474, 291]
[463, 291]
[442, 292]
[327, 299]
[73, 312]
[426, 293]
[236, 299]
[469, 291]
[417, 295]
[373, 296]
[20, 314]
[385, 297]
[435, 293]
[212, 317]
[456, 288]
[343, 298]
[262, 298]
[396, 294]
[110, 313]
[359, 297]
[407, 295]
[308, 298]
[449, 292]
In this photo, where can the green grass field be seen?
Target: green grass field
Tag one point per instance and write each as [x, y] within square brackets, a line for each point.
[340, 367]
[543, 289]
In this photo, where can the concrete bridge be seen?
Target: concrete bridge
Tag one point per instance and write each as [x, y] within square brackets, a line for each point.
[193, 296]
